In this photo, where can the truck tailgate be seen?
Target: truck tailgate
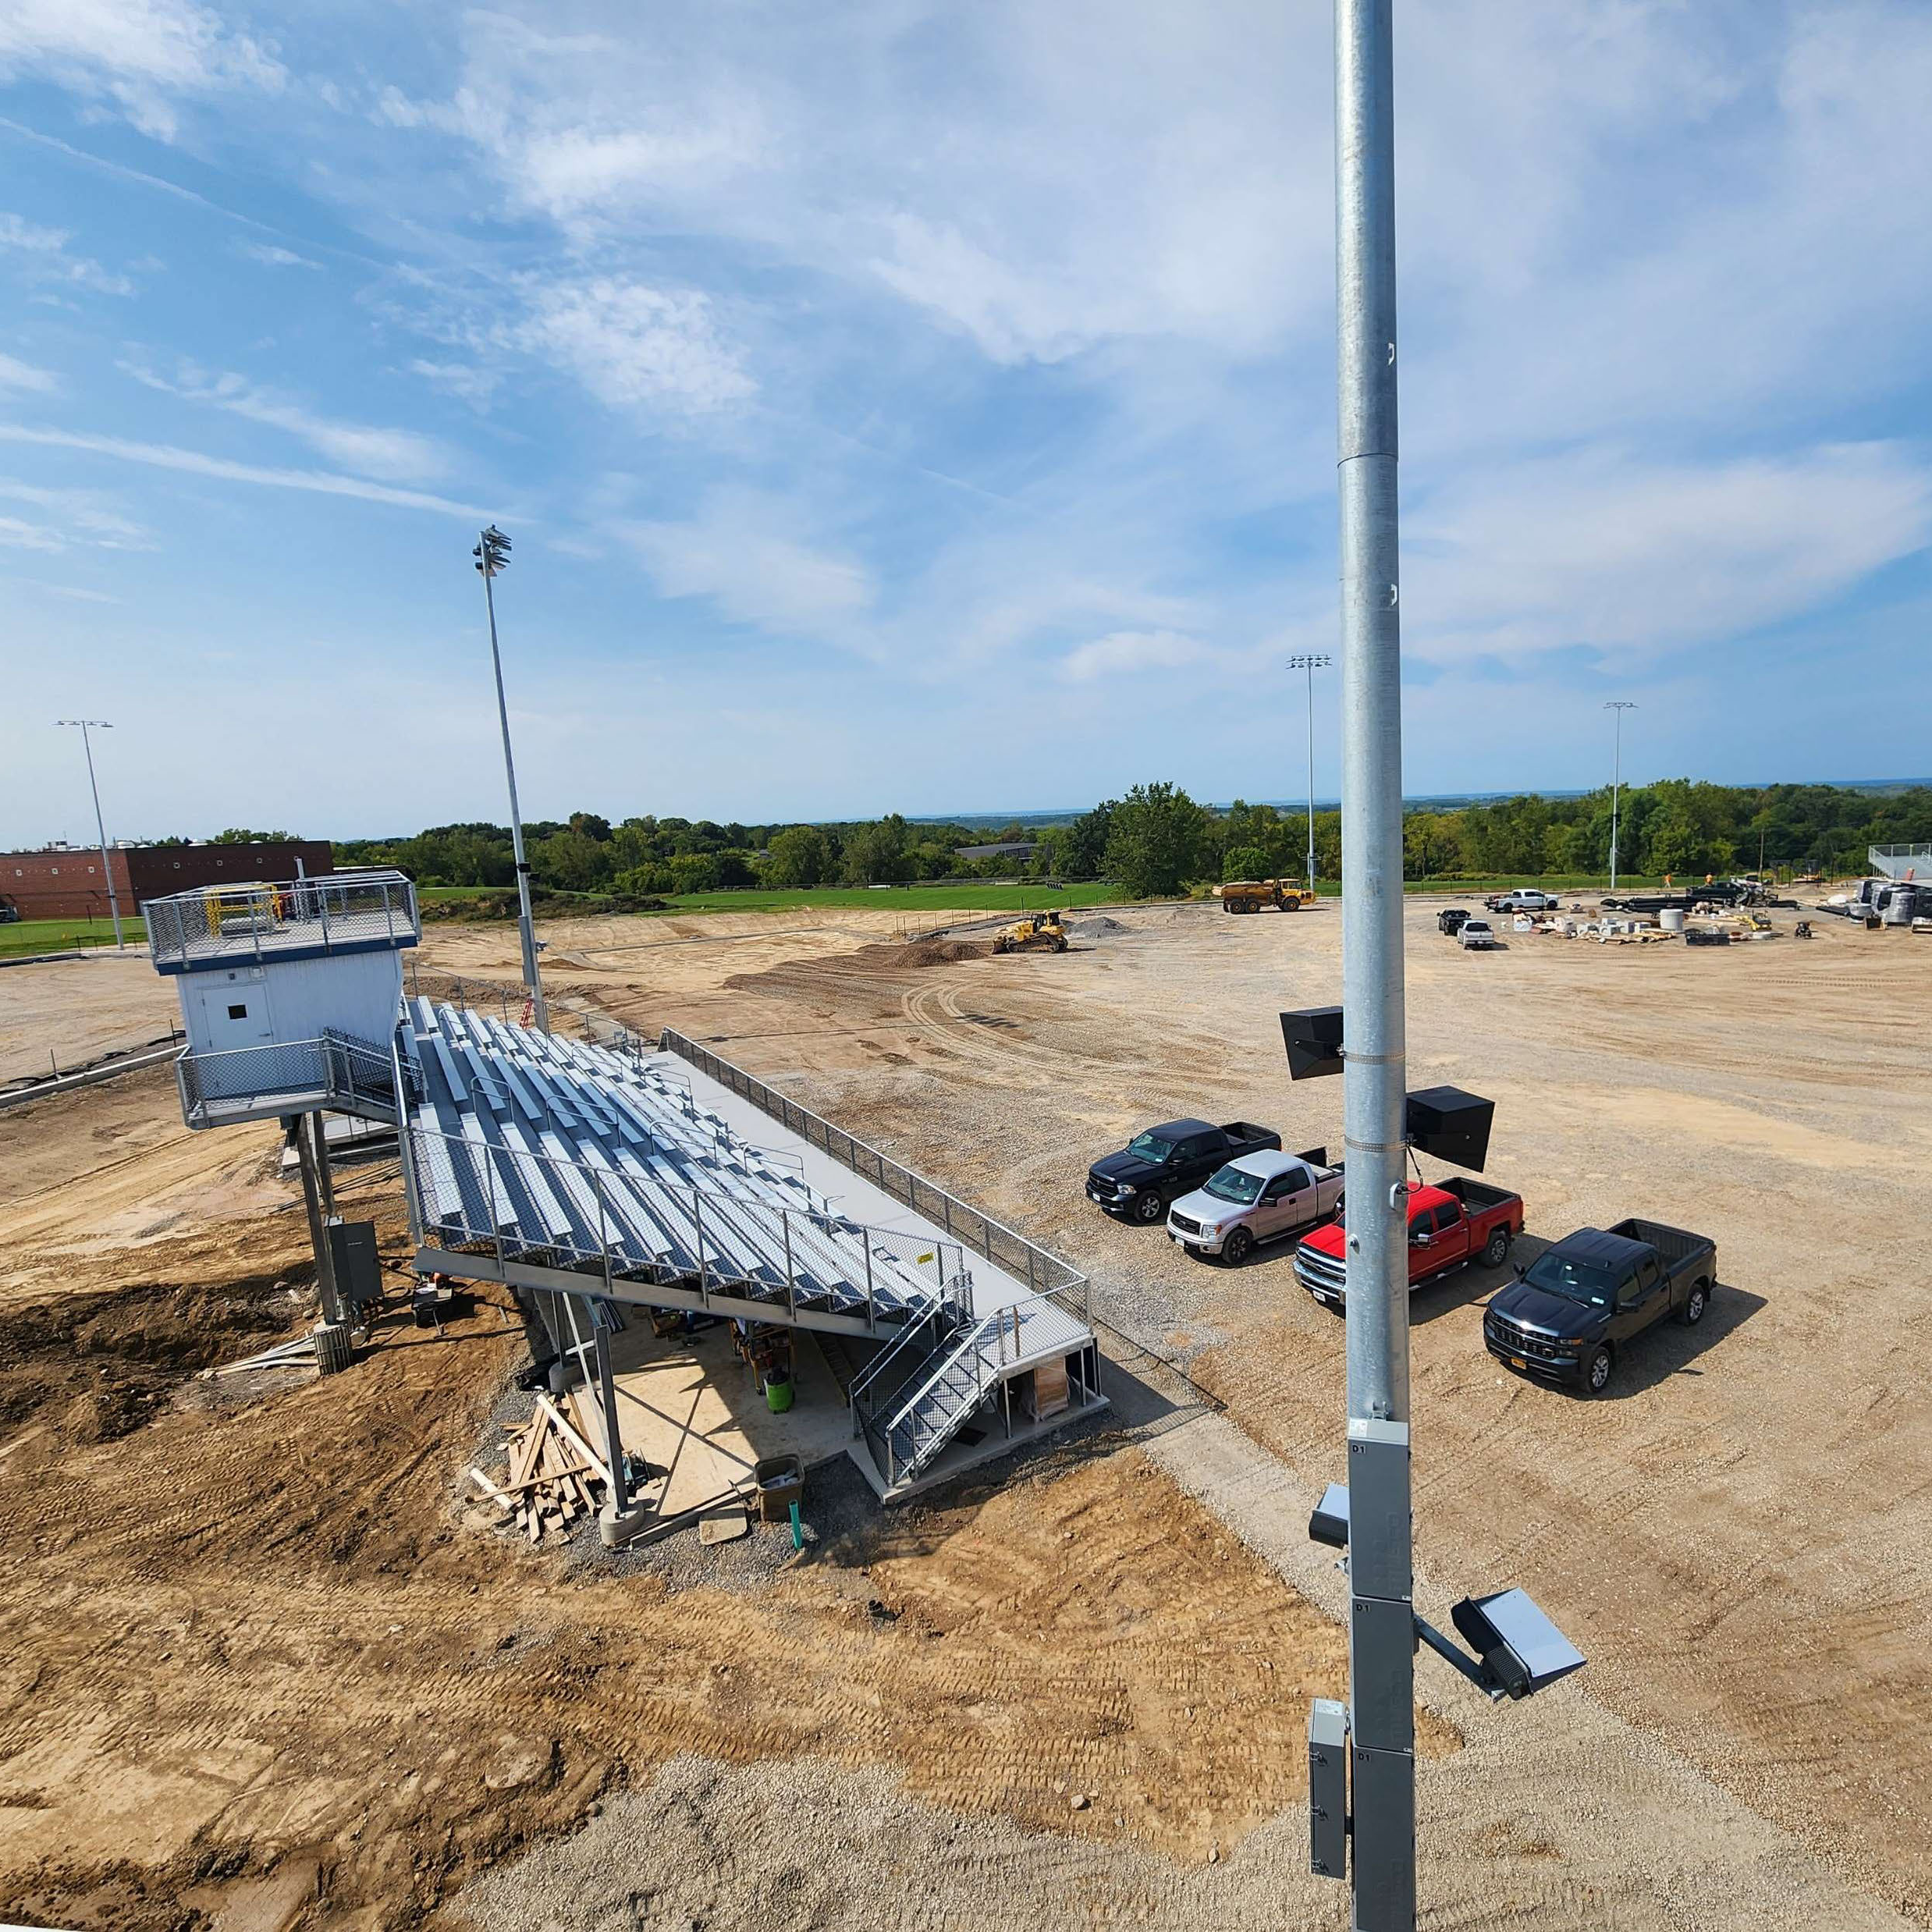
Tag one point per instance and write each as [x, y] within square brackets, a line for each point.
[1676, 1245]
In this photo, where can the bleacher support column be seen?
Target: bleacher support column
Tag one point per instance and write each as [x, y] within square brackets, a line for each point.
[614, 1440]
[314, 1184]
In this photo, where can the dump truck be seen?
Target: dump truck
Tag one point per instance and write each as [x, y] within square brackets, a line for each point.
[1037, 932]
[1263, 895]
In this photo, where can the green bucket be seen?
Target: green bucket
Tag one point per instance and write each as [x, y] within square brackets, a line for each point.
[778, 1394]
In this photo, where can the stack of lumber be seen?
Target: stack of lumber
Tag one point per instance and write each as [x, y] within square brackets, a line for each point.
[545, 1485]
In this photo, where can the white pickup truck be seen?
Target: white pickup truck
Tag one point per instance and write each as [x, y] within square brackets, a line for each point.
[1267, 1196]
[1524, 899]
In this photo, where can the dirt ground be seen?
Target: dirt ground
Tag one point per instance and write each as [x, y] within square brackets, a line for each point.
[261, 1670]
[59, 1017]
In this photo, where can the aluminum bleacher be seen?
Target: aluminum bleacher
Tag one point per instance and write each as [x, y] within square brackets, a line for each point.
[555, 1164]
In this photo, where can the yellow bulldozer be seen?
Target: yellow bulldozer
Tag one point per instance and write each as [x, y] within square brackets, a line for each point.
[1260, 895]
[1037, 932]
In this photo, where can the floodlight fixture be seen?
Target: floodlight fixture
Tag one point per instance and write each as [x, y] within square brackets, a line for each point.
[1313, 1037]
[1328, 1522]
[492, 552]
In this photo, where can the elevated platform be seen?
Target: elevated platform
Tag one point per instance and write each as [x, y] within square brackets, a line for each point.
[302, 918]
[1902, 861]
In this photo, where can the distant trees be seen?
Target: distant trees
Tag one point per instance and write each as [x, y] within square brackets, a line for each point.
[239, 834]
[800, 855]
[1158, 841]
[1155, 841]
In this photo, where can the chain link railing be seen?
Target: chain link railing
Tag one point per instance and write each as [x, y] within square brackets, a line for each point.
[334, 1071]
[1044, 1273]
[257, 922]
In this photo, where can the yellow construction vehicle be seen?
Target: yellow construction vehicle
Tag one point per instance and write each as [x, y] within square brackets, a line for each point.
[1037, 932]
[1259, 895]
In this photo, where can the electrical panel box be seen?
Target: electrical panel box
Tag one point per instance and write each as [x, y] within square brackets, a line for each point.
[1328, 1788]
[352, 1252]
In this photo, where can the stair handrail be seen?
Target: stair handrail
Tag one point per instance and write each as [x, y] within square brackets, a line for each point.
[917, 1319]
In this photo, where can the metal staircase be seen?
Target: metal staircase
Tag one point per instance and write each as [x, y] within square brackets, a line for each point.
[912, 1401]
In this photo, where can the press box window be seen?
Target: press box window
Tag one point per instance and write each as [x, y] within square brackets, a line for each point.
[238, 1013]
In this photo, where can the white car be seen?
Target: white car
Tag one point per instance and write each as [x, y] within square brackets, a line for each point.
[1259, 1197]
[1475, 934]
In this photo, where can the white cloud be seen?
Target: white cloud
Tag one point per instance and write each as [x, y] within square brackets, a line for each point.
[400, 455]
[1122, 651]
[41, 254]
[742, 551]
[632, 345]
[143, 53]
[16, 374]
[272, 255]
[1616, 552]
[80, 518]
[465, 380]
[192, 462]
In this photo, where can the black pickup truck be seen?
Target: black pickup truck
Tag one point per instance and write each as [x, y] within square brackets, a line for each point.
[1574, 1307]
[1170, 1160]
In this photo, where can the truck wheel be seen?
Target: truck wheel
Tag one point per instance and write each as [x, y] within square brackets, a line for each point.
[1149, 1207]
[1597, 1367]
[1496, 1249]
[1238, 1246]
[1694, 1303]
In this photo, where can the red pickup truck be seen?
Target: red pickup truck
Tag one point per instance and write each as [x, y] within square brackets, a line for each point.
[1450, 1224]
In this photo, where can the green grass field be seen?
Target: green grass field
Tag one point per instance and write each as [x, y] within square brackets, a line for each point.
[62, 935]
[950, 896]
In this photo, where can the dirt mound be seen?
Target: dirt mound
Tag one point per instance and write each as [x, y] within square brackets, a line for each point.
[101, 1365]
[926, 953]
[1097, 927]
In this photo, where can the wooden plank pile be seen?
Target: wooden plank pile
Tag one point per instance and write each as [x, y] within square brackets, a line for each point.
[546, 1485]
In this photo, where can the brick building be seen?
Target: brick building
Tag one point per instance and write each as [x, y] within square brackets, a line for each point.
[66, 883]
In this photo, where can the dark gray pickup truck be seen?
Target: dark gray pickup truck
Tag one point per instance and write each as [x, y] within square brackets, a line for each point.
[1157, 1167]
[1574, 1308]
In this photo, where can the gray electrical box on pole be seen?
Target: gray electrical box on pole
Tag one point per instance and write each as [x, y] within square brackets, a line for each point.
[1381, 1629]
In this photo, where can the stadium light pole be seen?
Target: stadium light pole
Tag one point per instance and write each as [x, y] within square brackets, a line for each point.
[1619, 705]
[86, 725]
[1311, 662]
[492, 555]
[1381, 1714]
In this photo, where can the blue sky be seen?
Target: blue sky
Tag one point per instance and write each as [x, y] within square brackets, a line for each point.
[931, 407]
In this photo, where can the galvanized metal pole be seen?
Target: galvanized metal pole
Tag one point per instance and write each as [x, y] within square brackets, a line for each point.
[531, 978]
[1619, 705]
[1311, 774]
[1381, 1624]
[99, 824]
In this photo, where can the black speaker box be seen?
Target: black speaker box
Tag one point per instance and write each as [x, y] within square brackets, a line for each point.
[1451, 1124]
[1313, 1038]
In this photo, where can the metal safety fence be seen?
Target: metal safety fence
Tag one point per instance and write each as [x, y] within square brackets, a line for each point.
[334, 1071]
[1043, 1273]
[257, 921]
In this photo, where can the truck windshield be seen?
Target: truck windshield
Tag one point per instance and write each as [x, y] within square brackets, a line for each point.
[1231, 1184]
[1150, 1147]
[1575, 1281]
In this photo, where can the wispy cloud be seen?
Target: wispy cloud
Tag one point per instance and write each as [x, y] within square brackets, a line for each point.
[42, 256]
[16, 374]
[273, 255]
[144, 55]
[402, 455]
[78, 519]
[1123, 652]
[746, 552]
[633, 345]
[192, 462]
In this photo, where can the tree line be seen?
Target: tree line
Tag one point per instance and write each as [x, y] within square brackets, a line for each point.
[1155, 841]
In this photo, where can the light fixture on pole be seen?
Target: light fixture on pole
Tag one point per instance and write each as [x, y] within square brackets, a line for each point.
[492, 555]
[1620, 705]
[85, 725]
[1311, 662]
